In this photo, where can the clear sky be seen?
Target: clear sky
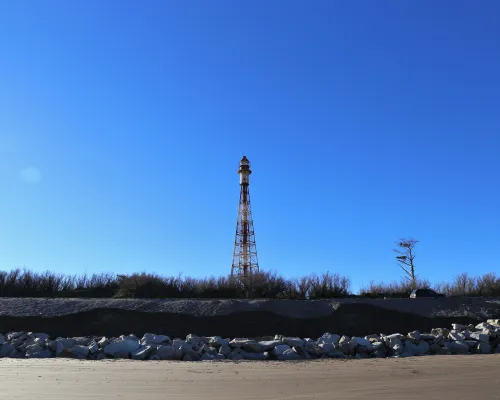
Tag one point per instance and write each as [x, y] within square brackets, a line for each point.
[122, 124]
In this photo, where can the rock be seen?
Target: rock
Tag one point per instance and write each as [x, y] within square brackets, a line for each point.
[63, 344]
[217, 341]
[459, 347]
[326, 347]
[492, 333]
[439, 339]
[373, 338]
[142, 352]
[24, 345]
[483, 325]
[7, 350]
[51, 344]
[440, 331]
[16, 335]
[2, 339]
[380, 353]
[34, 348]
[313, 348]
[65, 353]
[269, 344]
[361, 341]
[300, 351]
[121, 348]
[397, 337]
[427, 336]
[378, 345]
[100, 356]
[254, 356]
[20, 341]
[93, 347]
[293, 341]
[459, 327]
[103, 342]
[280, 349]
[494, 322]
[191, 355]
[80, 351]
[335, 354]
[288, 355]
[182, 347]
[411, 349]
[129, 337]
[252, 347]
[246, 344]
[45, 353]
[207, 357]
[423, 347]
[41, 336]
[483, 348]
[414, 335]
[455, 335]
[495, 342]
[237, 356]
[195, 341]
[224, 350]
[328, 338]
[435, 348]
[238, 342]
[344, 339]
[82, 340]
[497, 351]
[167, 352]
[150, 339]
[349, 347]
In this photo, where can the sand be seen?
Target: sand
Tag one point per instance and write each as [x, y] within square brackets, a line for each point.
[436, 377]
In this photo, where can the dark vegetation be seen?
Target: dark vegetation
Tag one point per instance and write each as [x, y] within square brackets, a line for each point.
[462, 285]
[26, 283]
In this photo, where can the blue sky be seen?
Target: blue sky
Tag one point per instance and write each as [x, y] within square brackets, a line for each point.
[122, 124]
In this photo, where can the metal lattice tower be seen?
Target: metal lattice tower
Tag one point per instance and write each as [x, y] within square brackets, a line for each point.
[245, 262]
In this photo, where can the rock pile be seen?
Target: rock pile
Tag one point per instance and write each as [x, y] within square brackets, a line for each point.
[461, 339]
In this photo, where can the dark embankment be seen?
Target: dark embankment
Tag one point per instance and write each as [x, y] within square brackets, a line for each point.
[349, 319]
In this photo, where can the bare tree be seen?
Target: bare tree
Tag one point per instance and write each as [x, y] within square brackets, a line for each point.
[406, 257]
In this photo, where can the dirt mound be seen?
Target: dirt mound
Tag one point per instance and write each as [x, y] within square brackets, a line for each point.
[346, 318]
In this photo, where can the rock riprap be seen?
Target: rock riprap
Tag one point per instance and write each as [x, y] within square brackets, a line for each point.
[483, 338]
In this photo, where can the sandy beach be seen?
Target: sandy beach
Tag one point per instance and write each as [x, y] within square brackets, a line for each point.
[433, 377]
